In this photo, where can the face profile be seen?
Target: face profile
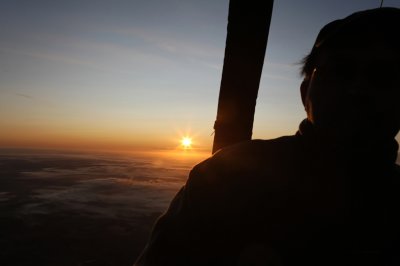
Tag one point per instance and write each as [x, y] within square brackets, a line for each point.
[354, 88]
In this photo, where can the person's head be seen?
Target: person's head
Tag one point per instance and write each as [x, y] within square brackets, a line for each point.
[351, 84]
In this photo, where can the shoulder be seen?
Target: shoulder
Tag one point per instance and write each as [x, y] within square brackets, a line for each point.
[256, 151]
[254, 156]
[244, 168]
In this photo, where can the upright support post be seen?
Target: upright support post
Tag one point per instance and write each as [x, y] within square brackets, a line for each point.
[246, 42]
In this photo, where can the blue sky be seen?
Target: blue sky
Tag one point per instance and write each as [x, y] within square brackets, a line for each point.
[142, 73]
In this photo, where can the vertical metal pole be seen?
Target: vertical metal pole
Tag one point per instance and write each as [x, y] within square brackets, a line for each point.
[246, 42]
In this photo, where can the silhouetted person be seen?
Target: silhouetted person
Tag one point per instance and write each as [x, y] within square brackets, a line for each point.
[329, 195]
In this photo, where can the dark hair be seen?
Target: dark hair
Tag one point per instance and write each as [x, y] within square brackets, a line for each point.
[381, 21]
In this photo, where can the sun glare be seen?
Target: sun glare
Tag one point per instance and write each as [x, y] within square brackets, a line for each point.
[186, 142]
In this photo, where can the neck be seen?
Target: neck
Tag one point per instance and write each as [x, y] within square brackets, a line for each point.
[361, 148]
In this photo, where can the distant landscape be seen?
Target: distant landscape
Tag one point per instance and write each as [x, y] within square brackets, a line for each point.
[60, 208]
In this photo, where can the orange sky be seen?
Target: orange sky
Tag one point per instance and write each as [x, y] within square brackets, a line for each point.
[23, 136]
[74, 75]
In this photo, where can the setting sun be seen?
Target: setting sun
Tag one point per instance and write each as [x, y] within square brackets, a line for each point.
[186, 142]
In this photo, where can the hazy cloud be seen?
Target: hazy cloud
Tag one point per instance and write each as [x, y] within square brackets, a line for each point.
[91, 185]
[24, 95]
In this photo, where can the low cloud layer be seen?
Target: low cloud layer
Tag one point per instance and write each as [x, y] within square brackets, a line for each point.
[97, 201]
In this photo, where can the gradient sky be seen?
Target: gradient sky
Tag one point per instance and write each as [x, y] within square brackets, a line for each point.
[141, 74]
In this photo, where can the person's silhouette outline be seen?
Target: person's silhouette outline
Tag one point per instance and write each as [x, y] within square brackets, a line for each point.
[325, 196]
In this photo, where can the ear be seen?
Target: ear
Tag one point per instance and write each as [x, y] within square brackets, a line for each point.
[304, 90]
